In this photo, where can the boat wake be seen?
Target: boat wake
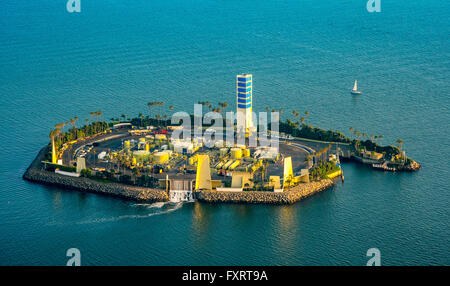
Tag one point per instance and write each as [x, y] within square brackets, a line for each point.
[161, 208]
[151, 206]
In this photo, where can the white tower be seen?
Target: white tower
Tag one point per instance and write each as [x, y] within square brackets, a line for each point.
[244, 101]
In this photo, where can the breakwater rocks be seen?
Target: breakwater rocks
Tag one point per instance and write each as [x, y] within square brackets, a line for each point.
[88, 185]
[411, 167]
[36, 173]
[289, 196]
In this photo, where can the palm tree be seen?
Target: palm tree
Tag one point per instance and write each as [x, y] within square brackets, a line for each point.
[141, 116]
[161, 104]
[72, 124]
[224, 105]
[92, 116]
[280, 111]
[295, 113]
[150, 105]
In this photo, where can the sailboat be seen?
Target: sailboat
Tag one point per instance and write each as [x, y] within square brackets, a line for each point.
[355, 88]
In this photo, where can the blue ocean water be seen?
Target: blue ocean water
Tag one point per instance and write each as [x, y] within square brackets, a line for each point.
[117, 55]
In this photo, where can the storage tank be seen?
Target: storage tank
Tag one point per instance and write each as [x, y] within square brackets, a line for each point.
[236, 153]
[223, 152]
[141, 155]
[161, 157]
[246, 152]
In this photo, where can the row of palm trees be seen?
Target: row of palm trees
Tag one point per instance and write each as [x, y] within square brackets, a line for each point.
[364, 136]
[296, 115]
[321, 154]
[374, 138]
[159, 105]
[60, 128]
[222, 106]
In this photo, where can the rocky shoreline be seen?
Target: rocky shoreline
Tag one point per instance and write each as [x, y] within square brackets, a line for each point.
[36, 173]
[294, 194]
[412, 167]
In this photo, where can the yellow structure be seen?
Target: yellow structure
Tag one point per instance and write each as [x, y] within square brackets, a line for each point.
[161, 157]
[160, 137]
[227, 164]
[234, 165]
[203, 177]
[216, 183]
[236, 153]
[246, 176]
[237, 181]
[246, 152]
[53, 151]
[218, 166]
[141, 155]
[335, 174]
[302, 178]
[288, 174]
[274, 181]
[193, 160]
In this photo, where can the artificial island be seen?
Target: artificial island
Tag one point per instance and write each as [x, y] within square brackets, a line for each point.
[233, 160]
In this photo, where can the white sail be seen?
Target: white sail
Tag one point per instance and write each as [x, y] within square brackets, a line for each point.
[355, 87]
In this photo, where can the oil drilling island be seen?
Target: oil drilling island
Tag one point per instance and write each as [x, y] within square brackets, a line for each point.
[146, 159]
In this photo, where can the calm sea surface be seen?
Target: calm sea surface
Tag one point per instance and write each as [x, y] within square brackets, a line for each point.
[117, 55]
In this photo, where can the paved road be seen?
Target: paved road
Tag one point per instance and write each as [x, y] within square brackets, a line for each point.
[68, 155]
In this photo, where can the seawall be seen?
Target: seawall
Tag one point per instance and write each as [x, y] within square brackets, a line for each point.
[294, 194]
[36, 173]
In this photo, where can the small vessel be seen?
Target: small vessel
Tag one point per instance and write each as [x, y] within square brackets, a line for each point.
[355, 88]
